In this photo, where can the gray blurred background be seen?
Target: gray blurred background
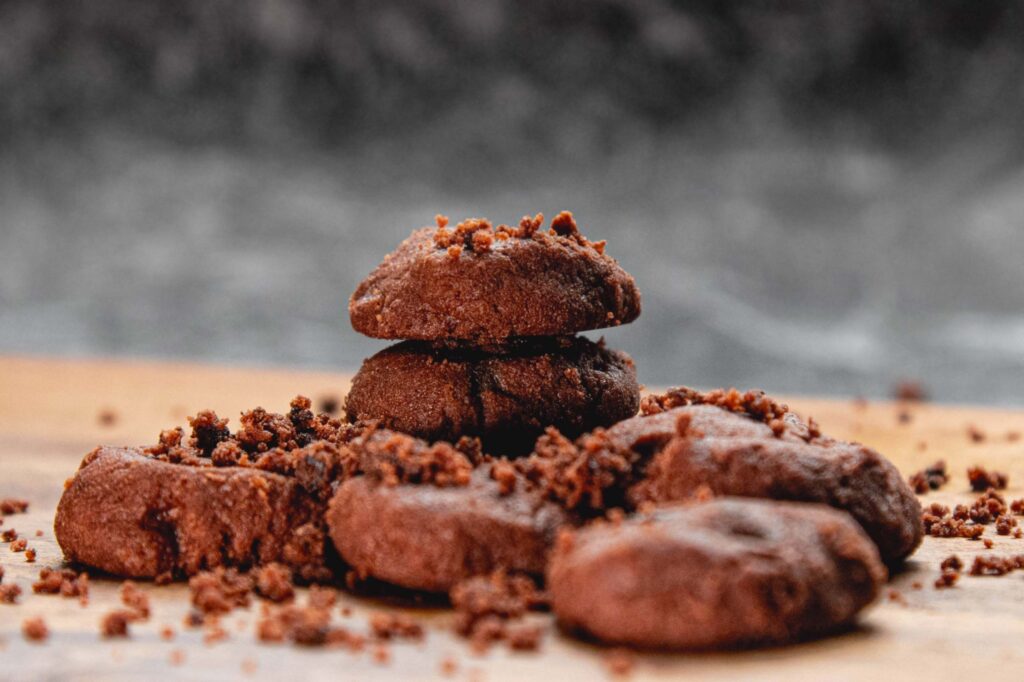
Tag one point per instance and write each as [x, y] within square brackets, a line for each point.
[815, 197]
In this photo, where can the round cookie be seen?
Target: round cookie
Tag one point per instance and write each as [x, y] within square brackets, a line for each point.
[135, 516]
[848, 476]
[478, 283]
[723, 574]
[426, 537]
[506, 396]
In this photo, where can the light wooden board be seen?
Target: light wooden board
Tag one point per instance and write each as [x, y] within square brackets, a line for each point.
[49, 417]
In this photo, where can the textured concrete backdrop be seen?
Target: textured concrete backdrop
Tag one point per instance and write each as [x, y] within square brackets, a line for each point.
[823, 198]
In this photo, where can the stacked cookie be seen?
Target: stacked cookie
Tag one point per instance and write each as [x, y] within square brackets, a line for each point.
[488, 317]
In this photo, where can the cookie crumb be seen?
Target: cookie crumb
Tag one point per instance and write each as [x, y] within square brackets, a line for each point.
[996, 566]
[485, 604]
[975, 434]
[449, 666]
[910, 390]
[135, 599]
[115, 624]
[12, 505]
[981, 479]
[106, 417]
[395, 625]
[35, 630]
[619, 662]
[931, 477]
[19, 545]
[220, 590]
[946, 580]
[9, 593]
[274, 582]
[30, 555]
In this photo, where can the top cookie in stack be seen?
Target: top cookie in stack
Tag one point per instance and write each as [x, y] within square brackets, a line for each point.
[489, 315]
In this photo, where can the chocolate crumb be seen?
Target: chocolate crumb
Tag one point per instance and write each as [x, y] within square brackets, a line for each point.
[13, 505]
[35, 630]
[9, 594]
[395, 625]
[106, 417]
[395, 458]
[167, 633]
[946, 579]
[19, 545]
[220, 590]
[909, 390]
[30, 555]
[619, 662]
[381, 654]
[1005, 524]
[952, 563]
[64, 581]
[975, 434]
[328, 404]
[484, 605]
[135, 599]
[505, 474]
[982, 479]
[9, 535]
[589, 475]
[115, 623]
[996, 566]
[274, 582]
[930, 478]
[988, 543]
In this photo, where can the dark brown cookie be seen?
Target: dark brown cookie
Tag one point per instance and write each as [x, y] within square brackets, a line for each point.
[726, 573]
[132, 515]
[476, 283]
[712, 456]
[506, 395]
[726, 443]
[428, 537]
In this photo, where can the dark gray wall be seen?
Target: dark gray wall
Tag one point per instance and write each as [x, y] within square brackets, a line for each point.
[814, 197]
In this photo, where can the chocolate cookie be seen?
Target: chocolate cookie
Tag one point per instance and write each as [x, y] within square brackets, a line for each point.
[132, 515]
[844, 475]
[506, 396]
[727, 443]
[432, 534]
[479, 283]
[722, 574]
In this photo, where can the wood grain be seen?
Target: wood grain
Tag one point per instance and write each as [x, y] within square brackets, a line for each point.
[50, 415]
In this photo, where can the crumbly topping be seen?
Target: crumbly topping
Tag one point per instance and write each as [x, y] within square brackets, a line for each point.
[393, 458]
[479, 235]
[274, 582]
[754, 404]
[590, 474]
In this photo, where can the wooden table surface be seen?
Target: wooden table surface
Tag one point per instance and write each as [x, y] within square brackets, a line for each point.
[50, 415]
